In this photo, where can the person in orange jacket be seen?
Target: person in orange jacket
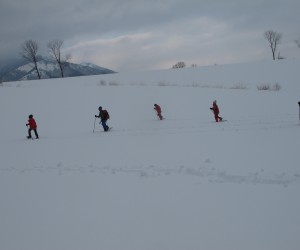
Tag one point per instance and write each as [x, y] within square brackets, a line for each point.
[32, 126]
[216, 111]
[158, 111]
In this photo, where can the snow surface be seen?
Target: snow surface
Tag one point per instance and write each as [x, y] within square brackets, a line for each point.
[182, 183]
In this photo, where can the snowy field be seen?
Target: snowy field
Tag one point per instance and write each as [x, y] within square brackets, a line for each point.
[184, 183]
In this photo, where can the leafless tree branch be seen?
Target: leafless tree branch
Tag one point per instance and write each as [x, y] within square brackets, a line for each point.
[29, 51]
[274, 39]
[55, 51]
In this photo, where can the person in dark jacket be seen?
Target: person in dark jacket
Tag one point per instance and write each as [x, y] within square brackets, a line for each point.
[32, 126]
[299, 110]
[104, 116]
[216, 111]
[158, 111]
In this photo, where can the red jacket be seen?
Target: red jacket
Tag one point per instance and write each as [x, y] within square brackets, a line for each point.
[157, 108]
[32, 123]
[215, 109]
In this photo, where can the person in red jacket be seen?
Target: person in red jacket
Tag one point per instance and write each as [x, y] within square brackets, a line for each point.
[216, 111]
[32, 126]
[158, 111]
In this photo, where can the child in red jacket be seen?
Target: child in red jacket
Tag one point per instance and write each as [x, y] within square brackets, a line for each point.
[216, 111]
[158, 111]
[32, 126]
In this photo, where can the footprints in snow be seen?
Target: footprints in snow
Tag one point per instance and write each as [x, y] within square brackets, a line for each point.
[203, 173]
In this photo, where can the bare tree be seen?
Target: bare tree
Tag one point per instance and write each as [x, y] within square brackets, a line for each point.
[178, 65]
[29, 51]
[55, 51]
[274, 39]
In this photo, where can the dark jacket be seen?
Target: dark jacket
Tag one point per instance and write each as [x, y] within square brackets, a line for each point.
[103, 115]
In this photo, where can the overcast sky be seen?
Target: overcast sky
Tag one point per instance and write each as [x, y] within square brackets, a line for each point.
[152, 34]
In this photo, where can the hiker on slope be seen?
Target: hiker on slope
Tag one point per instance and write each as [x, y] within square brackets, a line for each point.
[216, 111]
[158, 111]
[32, 126]
[104, 116]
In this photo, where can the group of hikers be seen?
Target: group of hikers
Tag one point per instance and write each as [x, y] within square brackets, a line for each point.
[104, 116]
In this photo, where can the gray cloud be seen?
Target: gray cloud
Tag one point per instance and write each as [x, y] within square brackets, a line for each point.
[131, 34]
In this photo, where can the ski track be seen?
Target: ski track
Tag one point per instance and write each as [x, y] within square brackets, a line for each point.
[202, 173]
[228, 126]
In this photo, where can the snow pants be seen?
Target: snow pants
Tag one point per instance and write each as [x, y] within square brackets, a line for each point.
[104, 125]
[218, 118]
[159, 116]
[35, 132]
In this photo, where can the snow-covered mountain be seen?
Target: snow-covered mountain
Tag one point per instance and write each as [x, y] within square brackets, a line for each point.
[22, 70]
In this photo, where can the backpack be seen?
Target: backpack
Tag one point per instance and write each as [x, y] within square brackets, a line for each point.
[105, 114]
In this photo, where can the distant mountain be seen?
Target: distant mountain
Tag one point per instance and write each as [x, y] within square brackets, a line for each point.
[21, 70]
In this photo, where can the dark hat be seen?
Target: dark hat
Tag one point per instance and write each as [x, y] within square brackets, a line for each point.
[30, 116]
[100, 108]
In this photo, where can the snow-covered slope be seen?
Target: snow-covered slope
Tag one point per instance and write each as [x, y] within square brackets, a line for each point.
[182, 183]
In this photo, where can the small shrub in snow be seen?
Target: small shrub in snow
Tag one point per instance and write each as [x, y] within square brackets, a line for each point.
[113, 83]
[212, 86]
[239, 86]
[276, 87]
[217, 86]
[263, 87]
[195, 85]
[162, 83]
[102, 83]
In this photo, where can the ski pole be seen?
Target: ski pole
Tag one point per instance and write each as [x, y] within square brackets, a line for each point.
[299, 110]
[94, 125]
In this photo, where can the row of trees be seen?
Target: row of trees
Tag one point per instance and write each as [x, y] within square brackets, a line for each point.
[273, 38]
[29, 51]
